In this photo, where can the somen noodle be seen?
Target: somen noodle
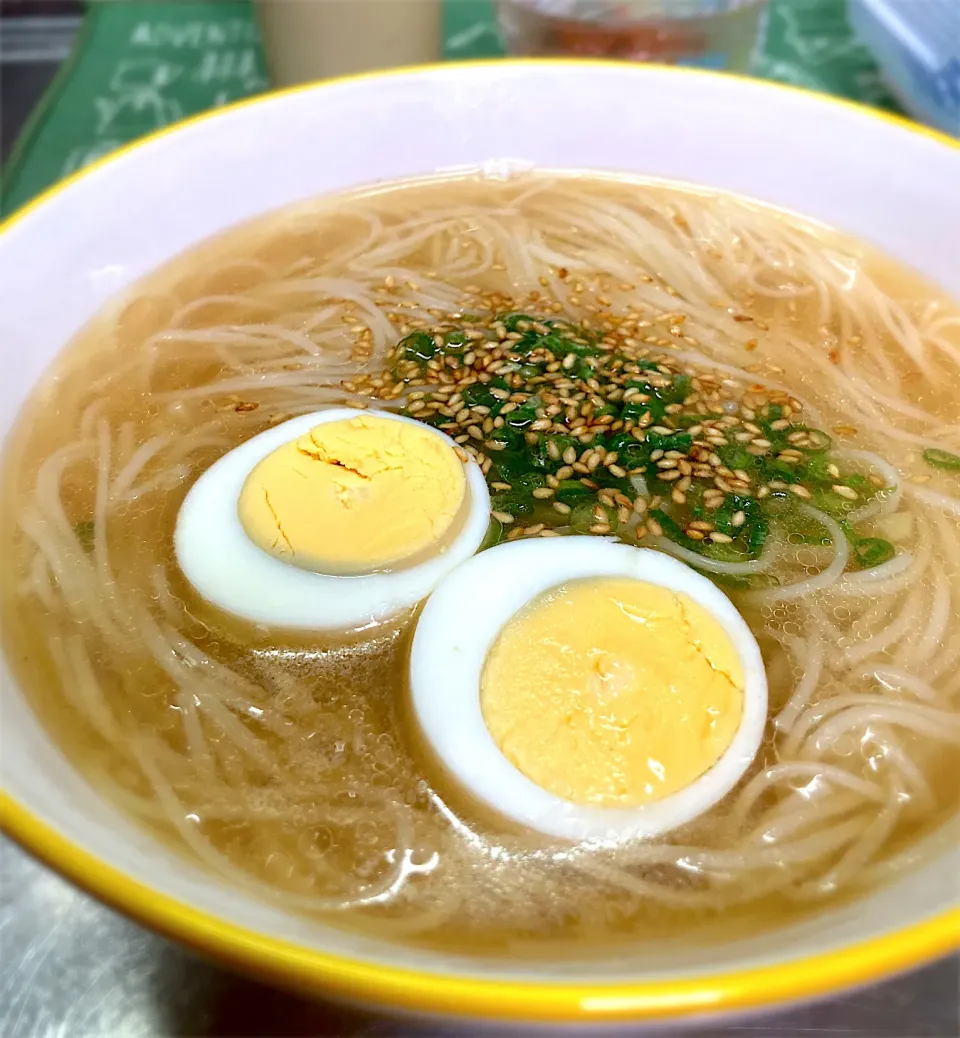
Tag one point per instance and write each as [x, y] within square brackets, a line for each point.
[285, 762]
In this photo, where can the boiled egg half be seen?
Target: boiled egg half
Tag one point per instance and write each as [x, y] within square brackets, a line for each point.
[332, 520]
[587, 689]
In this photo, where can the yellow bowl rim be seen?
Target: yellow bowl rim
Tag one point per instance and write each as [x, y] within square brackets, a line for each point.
[312, 971]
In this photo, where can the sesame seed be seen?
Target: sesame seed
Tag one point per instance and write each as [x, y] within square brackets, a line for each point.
[503, 517]
[800, 491]
[561, 507]
[848, 492]
[720, 538]
[542, 493]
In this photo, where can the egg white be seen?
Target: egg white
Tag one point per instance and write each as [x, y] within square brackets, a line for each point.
[230, 571]
[457, 629]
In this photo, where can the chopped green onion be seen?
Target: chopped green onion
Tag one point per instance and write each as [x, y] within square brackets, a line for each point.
[872, 551]
[417, 346]
[84, 531]
[494, 534]
[942, 459]
[572, 491]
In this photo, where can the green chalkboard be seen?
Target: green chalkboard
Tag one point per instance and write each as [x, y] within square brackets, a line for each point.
[140, 66]
[136, 67]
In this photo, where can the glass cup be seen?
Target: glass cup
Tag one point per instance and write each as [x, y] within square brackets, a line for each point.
[718, 34]
[316, 39]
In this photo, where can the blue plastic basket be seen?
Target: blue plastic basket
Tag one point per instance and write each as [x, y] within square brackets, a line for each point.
[917, 44]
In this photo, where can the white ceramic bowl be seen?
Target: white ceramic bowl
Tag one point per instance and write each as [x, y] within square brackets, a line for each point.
[62, 257]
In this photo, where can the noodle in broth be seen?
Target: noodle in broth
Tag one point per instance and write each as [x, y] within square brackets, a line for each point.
[286, 762]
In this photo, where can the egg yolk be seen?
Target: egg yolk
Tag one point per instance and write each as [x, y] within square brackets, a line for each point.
[612, 692]
[354, 495]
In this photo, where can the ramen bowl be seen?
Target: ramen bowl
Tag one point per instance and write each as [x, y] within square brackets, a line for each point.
[62, 258]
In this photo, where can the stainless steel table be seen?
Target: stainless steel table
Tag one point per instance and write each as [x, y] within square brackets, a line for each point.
[70, 968]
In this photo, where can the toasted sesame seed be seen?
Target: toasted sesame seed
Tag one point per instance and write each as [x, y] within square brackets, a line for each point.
[848, 492]
[600, 528]
[800, 491]
[695, 535]
[503, 517]
[669, 474]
